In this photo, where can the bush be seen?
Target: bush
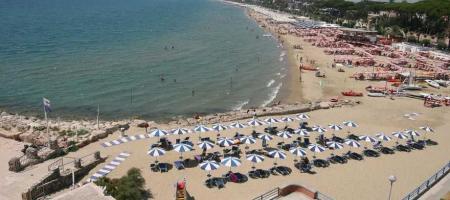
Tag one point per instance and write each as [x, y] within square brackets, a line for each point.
[411, 39]
[441, 45]
[128, 187]
[82, 132]
[425, 42]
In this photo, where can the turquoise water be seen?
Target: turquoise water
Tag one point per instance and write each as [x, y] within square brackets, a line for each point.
[113, 53]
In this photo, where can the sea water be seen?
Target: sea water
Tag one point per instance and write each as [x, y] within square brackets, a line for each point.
[153, 59]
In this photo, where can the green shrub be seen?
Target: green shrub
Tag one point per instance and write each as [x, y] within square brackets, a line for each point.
[128, 187]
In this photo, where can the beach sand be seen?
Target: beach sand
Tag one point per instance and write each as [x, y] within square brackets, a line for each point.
[365, 179]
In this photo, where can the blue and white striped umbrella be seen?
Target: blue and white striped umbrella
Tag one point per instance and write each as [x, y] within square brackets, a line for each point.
[205, 145]
[302, 116]
[156, 152]
[427, 128]
[255, 122]
[255, 158]
[368, 138]
[265, 137]
[399, 135]
[237, 125]
[181, 147]
[316, 148]
[287, 119]
[301, 132]
[247, 140]
[271, 120]
[335, 127]
[319, 129]
[298, 151]
[225, 142]
[412, 132]
[158, 133]
[350, 124]
[231, 162]
[335, 145]
[284, 134]
[219, 127]
[180, 131]
[383, 136]
[209, 165]
[352, 143]
[277, 154]
[201, 128]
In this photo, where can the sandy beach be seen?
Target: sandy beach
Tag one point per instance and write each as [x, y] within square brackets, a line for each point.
[365, 179]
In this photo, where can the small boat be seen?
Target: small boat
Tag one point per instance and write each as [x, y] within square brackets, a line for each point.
[352, 93]
[376, 94]
[308, 67]
[433, 83]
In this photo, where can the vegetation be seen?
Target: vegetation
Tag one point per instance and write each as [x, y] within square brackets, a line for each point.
[128, 187]
[71, 133]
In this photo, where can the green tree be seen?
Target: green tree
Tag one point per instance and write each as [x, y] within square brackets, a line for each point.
[128, 187]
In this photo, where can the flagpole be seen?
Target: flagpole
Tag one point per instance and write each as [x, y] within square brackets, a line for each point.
[98, 114]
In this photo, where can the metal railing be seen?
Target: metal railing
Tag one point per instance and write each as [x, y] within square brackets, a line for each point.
[416, 193]
[272, 194]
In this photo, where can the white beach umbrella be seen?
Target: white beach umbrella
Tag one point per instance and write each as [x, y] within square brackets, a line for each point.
[284, 134]
[181, 148]
[335, 145]
[231, 162]
[302, 116]
[205, 145]
[247, 140]
[301, 132]
[335, 127]
[271, 120]
[180, 131]
[383, 136]
[316, 148]
[319, 129]
[368, 138]
[399, 135]
[352, 143]
[298, 151]
[255, 158]
[350, 124]
[265, 137]
[225, 142]
[158, 133]
[201, 128]
[412, 132]
[156, 152]
[277, 154]
[287, 119]
[255, 122]
[219, 127]
[427, 128]
[209, 165]
[237, 125]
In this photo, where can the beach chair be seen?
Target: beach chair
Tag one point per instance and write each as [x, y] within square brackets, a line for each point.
[179, 165]
[154, 167]
[163, 167]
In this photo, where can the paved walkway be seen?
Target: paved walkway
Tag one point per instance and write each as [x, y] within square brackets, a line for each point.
[438, 191]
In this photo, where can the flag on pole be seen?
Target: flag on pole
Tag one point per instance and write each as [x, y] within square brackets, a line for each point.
[47, 106]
